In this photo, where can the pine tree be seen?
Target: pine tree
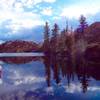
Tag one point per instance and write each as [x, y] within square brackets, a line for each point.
[82, 42]
[46, 37]
[83, 24]
[66, 27]
[55, 31]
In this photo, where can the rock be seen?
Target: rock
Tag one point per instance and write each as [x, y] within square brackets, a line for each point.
[93, 54]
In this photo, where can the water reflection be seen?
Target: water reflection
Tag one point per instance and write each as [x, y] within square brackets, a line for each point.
[64, 67]
[20, 60]
[58, 69]
[1, 75]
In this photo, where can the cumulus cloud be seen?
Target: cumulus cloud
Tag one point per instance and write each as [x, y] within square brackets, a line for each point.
[30, 3]
[74, 11]
[50, 1]
[26, 20]
[15, 12]
[14, 19]
[19, 21]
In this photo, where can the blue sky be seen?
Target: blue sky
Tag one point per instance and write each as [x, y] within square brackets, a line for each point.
[24, 19]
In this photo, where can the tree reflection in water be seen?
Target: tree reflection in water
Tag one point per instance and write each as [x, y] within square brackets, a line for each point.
[63, 67]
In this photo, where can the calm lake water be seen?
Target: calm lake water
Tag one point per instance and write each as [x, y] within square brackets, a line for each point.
[48, 78]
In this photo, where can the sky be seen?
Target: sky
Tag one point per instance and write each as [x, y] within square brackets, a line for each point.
[24, 19]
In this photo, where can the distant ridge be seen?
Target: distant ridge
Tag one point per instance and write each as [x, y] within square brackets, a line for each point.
[93, 32]
[19, 46]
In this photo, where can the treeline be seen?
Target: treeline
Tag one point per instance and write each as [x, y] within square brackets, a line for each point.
[56, 41]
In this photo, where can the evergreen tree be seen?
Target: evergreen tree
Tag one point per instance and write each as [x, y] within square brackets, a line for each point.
[46, 31]
[55, 31]
[83, 24]
[46, 37]
[66, 26]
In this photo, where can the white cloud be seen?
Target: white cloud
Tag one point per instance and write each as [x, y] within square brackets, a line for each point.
[39, 1]
[50, 1]
[47, 11]
[30, 3]
[14, 11]
[56, 17]
[18, 6]
[18, 18]
[74, 11]
[21, 20]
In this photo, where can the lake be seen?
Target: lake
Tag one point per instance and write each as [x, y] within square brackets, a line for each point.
[20, 54]
[48, 77]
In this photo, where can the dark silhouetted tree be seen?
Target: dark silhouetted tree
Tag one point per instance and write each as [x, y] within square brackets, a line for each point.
[55, 31]
[66, 26]
[47, 69]
[46, 37]
[83, 24]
